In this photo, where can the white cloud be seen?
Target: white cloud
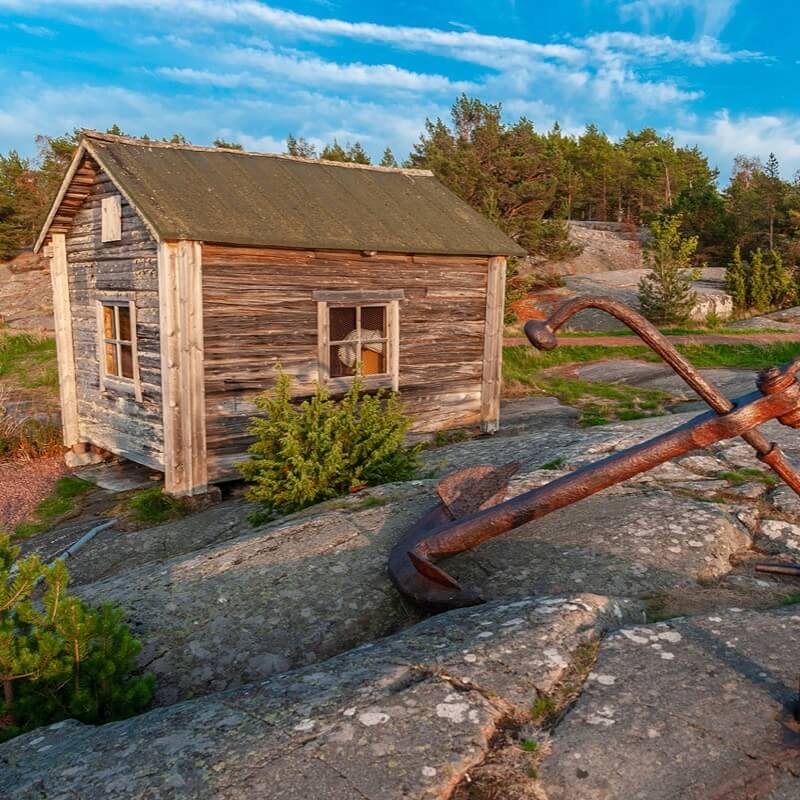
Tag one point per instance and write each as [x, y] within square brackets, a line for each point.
[704, 50]
[35, 30]
[311, 70]
[724, 136]
[711, 16]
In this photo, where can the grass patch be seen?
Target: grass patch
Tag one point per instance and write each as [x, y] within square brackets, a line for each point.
[672, 331]
[745, 474]
[520, 360]
[599, 403]
[554, 464]
[153, 506]
[548, 709]
[543, 706]
[529, 745]
[61, 501]
[657, 608]
[740, 356]
[791, 599]
[28, 361]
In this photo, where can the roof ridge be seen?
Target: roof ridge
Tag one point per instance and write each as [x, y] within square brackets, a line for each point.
[92, 135]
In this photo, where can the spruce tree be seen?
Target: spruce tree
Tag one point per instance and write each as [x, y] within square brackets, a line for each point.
[758, 290]
[665, 293]
[783, 292]
[735, 280]
[388, 159]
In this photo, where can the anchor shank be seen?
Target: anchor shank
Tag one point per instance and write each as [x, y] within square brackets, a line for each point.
[700, 432]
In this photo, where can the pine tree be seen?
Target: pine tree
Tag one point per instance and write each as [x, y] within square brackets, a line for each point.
[758, 290]
[388, 159]
[735, 280]
[665, 293]
[300, 147]
[60, 658]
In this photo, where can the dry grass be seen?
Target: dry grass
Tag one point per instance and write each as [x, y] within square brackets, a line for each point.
[26, 438]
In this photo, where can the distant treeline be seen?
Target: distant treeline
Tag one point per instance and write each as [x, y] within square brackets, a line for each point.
[529, 182]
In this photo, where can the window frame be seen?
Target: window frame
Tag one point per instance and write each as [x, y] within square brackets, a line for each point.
[118, 382]
[390, 301]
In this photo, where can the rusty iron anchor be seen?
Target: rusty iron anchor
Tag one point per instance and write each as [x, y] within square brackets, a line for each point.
[471, 509]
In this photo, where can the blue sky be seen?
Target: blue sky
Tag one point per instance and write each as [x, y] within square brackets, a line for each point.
[721, 74]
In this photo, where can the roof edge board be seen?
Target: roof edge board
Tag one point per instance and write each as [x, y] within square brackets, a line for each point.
[62, 190]
[113, 138]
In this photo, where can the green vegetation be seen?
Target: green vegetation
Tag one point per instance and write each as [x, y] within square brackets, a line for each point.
[671, 330]
[520, 360]
[542, 707]
[321, 449]
[60, 658]
[62, 500]
[740, 356]
[791, 599]
[524, 371]
[598, 402]
[553, 464]
[153, 506]
[443, 438]
[745, 474]
[657, 608]
[529, 745]
[665, 293]
[28, 361]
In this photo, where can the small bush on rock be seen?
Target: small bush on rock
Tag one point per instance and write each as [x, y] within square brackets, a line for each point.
[60, 658]
[319, 449]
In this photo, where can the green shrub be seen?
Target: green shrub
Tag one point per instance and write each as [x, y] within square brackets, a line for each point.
[321, 448]
[60, 658]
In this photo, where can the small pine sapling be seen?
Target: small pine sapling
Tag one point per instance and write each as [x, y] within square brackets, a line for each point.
[60, 658]
[665, 293]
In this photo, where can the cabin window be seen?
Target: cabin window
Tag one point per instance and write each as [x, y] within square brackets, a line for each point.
[355, 335]
[118, 356]
[111, 219]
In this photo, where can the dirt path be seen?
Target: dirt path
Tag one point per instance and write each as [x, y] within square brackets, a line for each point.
[620, 341]
[23, 484]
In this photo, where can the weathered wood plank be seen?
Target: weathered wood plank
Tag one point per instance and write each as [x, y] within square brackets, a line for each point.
[491, 382]
[64, 343]
[180, 289]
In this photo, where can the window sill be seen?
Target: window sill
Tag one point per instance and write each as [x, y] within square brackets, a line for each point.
[342, 385]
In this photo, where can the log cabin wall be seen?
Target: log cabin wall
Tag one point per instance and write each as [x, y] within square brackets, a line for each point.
[258, 311]
[111, 417]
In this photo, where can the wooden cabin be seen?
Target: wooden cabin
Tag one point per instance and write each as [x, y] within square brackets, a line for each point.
[183, 275]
